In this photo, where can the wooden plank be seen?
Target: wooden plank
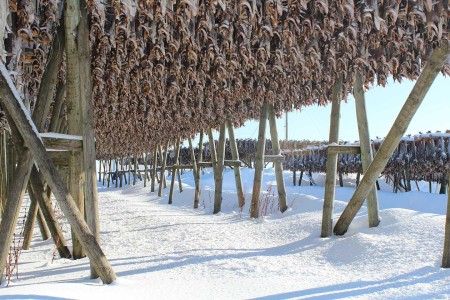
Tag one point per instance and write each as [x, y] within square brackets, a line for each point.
[218, 180]
[60, 143]
[259, 163]
[12, 103]
[273, 158]
[366, 148]
[281, 188]
[233, 163]
[415, 98]
[343, 149]
[330, 178]
[205, 164]
[60, 158]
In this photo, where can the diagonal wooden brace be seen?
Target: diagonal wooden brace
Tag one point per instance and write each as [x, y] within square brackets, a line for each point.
[415, 98]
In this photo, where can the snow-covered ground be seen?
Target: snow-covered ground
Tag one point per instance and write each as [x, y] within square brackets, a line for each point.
[162, 251]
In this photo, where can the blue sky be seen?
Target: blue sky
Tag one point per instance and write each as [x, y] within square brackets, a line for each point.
[383, 105]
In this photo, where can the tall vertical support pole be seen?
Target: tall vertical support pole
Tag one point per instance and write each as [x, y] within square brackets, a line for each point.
[87, 116]
[259, 163]
[4, 169]
[163, 169]
[366, 148]
[29, 223]
[195, 173]
[73, 99]
[281, 188]
[154, 164]
[212, 150]
[237, 169]
[330, 179]
[198, 168]
[415, 98]
[218, 180]
[446, 254]
[174, 169]
[286, 126]
[145, 169]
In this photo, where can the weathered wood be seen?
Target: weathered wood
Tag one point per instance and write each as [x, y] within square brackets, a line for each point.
[332, 158]
[154, 164]
[163, 169]
[259, 163]
[38, 194]
[62, 142]
[205, 164]
[195, 173]
[135, 168]
[198, 170]
[281, 188]
[446, 253]
[212, 150]
[87, 117]
[343, 149]
[12, 103]
[4, 168]
[273, 158]
[60, 159]
[365, 145]
[415, 98]
[45, 232]
[174, 169]
[218, 180]
[145, 169]
[237, 169]
[29, 224]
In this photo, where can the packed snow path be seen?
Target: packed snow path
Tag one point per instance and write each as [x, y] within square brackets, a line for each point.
[161, 251]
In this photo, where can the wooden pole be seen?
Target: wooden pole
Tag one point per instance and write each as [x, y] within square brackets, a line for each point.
[330, 178]
[195, 172]
[415, 98]
[446, 254]
[87, 116]
[212, 150]
[45, 232]
[145, 169]
[163, 169]
[198, 170]
[45, 203]
[154, 163]
[237, 170]
[174, 169]
[218, 180]
[259, 163]
[281, 188]
[29, 224]
[366, 148]
[12, 103]
[73, 99]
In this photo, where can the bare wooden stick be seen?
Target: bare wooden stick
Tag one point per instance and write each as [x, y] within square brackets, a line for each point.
[237, 169]
[446, 254]
[259, 163]
[155, 162]
[163, 170]
[330, 179]
[366, 148]
[175, 162]
[45, 232]
[415, 98]
[195, 172]
[29, 224]
[281, 188]
[218, 180]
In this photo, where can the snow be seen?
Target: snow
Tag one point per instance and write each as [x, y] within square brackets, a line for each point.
[162, 251]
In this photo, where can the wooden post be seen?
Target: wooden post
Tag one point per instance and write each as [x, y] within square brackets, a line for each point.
[198, 170]
[281, 188]
[38, 194]
[73, 100]
[212, 150]
[45, 232]
[218, 180]
[366, 148]
[12, 103]
[154, 164]
[195, 172]
[135, 168]
[4, 168]
[259, 163]
[174, 169]
[29, 224]
[237, 170]
[87, 117]
[330, 178]
[145, 169]
[446, 254]
[415, 98]
[163, 170]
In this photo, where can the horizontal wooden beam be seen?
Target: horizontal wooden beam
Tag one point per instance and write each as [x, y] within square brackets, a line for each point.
[236, 163]
[62, 142]
[182, 166]
[344, 149]
[59, 158]
[204, 164]
[273, 158]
